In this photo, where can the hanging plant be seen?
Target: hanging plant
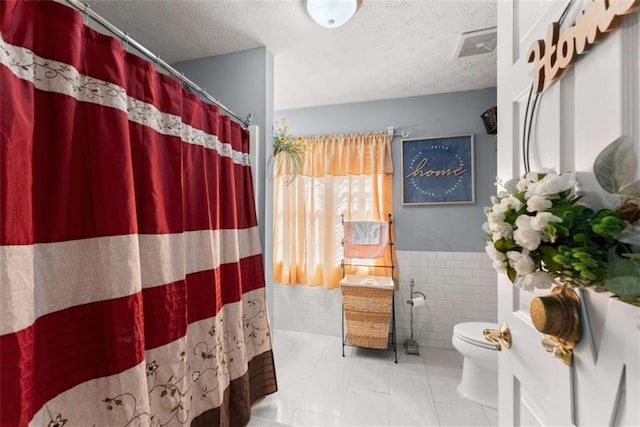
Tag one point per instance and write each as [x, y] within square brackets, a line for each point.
[288, 152]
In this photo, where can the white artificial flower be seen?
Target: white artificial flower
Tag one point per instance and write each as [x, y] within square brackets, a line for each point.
[542, 219]
[500, 266]
[511, 201]
[511, 186]
[495, 200]
[500, 208]
[552, 185]
[495, 216]
[527, 238]
[493, 253]
[523, 184]
[537, 280]
[497, 225]
[500, 230]
[495, 221]
[538, 204]
[522, 263]
[535, 176]
[523, 221]
[485, 228]
[499, 259]
[524, 235]
[501, 227]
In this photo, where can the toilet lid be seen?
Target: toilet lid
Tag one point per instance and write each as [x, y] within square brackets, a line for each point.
[471, 332]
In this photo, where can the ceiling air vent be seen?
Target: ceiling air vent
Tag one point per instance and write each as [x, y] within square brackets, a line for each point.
[477, 42]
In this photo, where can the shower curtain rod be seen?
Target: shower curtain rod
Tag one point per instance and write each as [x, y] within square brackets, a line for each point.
[124, 37]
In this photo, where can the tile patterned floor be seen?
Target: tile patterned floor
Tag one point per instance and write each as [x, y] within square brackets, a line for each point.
[318, 387]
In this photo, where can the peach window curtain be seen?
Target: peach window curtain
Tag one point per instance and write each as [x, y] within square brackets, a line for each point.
[348, 175]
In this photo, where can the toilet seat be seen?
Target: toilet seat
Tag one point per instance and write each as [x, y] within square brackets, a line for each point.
[472, 333]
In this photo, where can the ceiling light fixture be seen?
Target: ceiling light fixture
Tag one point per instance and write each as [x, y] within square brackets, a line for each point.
[332, 13]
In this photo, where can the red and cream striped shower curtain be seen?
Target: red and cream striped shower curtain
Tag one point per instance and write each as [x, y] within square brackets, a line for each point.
[131, 275]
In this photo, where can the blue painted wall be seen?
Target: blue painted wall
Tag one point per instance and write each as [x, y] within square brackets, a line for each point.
[452, 228]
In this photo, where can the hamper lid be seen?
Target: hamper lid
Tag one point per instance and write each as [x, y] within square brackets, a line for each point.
[380, 282]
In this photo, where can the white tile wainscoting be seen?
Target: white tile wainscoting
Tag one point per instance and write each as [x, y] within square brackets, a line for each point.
[460, 287]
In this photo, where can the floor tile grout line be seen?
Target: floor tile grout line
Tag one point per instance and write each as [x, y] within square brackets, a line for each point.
[376, 392]
[486, 417]
[307, 382]
[431, 395]
[433, 399]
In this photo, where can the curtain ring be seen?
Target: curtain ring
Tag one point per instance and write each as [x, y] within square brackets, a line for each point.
[86, 14]
[125, 41]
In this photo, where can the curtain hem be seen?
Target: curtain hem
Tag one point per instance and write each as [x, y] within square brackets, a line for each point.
[259, 381]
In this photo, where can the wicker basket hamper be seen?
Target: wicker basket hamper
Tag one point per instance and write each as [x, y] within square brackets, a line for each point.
[367, 304]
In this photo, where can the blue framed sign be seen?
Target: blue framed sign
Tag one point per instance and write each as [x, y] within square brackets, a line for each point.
[438, 170]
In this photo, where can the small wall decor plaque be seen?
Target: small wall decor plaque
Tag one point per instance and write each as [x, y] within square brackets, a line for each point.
[438, 170]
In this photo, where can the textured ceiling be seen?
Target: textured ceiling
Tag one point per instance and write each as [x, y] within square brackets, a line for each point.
[390, 49]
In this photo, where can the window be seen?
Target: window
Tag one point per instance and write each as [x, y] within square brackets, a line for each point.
[348, 175]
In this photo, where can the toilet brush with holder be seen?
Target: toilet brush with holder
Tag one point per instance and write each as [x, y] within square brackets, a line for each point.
[416, 299]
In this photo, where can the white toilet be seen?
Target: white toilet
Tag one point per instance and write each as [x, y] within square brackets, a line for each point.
[480, 369]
